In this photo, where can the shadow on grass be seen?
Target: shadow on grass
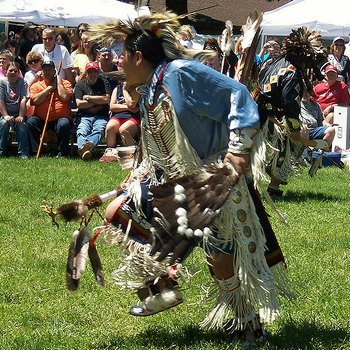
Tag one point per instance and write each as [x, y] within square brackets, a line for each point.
[162, 338]
[303, 196]
[291, 336]
[308, 336]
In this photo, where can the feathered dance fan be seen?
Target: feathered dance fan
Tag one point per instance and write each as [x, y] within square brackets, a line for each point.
[225, 39]
[227, 46]
[185, 208]
[251, 34]
[77, 209]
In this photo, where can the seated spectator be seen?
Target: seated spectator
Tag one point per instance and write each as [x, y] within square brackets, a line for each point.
[51, 98]
[34, 62]
[117, 45]
[331, 93]
[186, 36]
[337, 58]
[224, 62]
[120, 63]
[55, 53]
[81, 28]
[6, 58]
[11, 45]
[271, 47]
[347, 47]
[106, 64]
[13, 98]
[85, 53]
[3, 38]
[124, 122]
[92, 96]
[215, 62]
[63, 38]
[313, 122]
[34, 74]
[28, 38]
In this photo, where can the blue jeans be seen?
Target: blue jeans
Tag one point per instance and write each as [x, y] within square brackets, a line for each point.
[317, 133]
[61, 127]
[90, 129]
[21, 136]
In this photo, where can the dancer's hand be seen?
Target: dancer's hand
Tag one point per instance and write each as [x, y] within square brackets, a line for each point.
[240, 162]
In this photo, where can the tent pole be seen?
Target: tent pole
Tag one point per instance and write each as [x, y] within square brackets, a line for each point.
[7, 28]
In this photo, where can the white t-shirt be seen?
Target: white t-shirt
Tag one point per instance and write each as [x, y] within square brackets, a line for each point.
[347, 49]
[29, 77]
[57, 55]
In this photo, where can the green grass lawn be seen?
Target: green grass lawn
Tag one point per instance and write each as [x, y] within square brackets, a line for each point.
[38, 312]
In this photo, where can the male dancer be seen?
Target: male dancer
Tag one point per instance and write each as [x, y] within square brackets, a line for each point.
[193, 116]
[283, 81]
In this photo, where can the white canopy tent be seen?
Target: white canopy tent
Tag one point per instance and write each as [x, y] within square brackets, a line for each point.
[67, 13]
[331, 18]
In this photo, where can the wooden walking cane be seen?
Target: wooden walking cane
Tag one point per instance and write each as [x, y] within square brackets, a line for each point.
[47, 116]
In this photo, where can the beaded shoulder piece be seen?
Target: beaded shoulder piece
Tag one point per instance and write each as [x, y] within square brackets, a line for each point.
[164, 144]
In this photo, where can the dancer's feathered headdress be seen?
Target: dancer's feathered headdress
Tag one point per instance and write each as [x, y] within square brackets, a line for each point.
[304, 49]
[162, 26]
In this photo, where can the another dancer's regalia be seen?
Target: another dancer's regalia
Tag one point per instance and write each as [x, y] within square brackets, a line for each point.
[283, 80]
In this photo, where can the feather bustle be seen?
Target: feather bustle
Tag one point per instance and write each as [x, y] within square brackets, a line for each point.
[205, 192]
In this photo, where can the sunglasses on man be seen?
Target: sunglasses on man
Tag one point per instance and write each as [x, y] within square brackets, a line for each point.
[33, 61]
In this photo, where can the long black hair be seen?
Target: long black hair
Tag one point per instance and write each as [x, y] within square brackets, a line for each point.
[147, 43]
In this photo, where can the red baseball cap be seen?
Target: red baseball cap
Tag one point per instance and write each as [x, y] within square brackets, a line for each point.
[92, 65]
[330, 68]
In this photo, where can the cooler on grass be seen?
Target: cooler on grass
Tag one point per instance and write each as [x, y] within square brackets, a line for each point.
[329, 158]
[341, 123]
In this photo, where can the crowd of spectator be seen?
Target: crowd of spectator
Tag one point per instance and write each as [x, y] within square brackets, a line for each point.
[64, 70]
[60, 83]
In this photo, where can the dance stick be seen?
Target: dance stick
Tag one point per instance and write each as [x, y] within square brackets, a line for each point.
[45, 126]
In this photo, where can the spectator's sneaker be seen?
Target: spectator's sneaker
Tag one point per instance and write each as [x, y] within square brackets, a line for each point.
[86, 148]
[86, 155]
[110, 155]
